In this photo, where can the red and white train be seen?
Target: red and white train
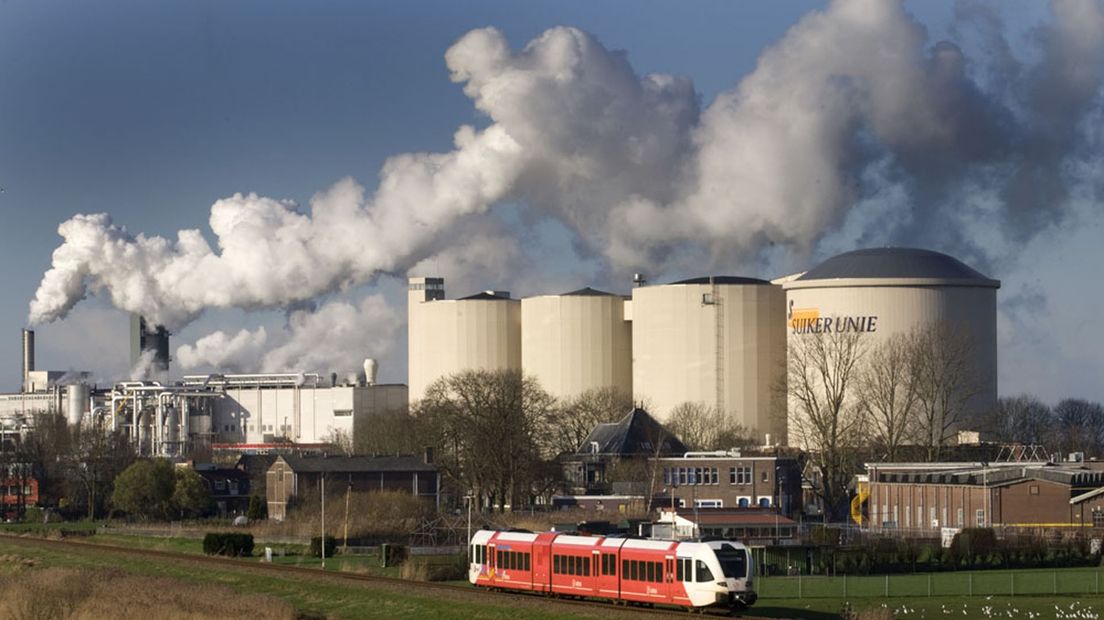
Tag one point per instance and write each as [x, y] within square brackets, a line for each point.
[687, 574]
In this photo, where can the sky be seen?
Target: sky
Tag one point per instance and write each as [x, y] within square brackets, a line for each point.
[322, 152]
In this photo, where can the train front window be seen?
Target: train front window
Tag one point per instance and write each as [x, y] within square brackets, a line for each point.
[704, 574]
[733, 562]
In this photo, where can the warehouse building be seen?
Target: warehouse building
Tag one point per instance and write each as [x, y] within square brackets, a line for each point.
[924, 497]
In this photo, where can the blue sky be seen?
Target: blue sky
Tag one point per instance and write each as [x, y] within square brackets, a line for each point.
[153, 111]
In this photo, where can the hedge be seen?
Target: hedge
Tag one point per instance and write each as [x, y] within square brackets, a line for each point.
[316, 546]
[228, 543]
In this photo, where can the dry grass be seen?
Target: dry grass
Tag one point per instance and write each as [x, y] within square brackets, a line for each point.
[72, 594]
[375, 515]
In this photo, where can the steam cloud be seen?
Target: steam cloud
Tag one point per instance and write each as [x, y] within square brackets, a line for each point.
[338, 335]
[853, 104]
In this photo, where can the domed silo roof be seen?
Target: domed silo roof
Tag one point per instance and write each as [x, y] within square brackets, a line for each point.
[896, 264]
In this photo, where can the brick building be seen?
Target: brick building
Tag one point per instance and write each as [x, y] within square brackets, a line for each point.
[732, 480]
[291, 475]
[929, 496]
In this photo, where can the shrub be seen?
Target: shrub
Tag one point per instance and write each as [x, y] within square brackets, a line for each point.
[228, 543]
[258, 509]
[316, 546]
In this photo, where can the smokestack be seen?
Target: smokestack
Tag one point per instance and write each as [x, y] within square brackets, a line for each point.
[370, 370]
[28, 357]
[333, 379]
[143, 338]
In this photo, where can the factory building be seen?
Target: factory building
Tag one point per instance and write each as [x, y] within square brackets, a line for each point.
[715, 341]
[577, 341]
[447, 336]
[719, 341]
[884, 292]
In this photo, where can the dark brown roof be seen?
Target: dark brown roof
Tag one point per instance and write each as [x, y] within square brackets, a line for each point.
[356, 464]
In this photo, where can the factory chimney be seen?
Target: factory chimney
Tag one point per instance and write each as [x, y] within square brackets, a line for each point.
[28, 357]
[155, 339]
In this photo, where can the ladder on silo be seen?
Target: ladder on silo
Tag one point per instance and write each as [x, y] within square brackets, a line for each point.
[718, 329]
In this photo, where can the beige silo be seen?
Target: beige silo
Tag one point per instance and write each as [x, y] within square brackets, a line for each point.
[714, 340]
[883, 292]
[576, 341]
[447, 336]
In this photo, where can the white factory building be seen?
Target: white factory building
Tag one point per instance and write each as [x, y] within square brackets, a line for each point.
[720, 341]
[174, 419]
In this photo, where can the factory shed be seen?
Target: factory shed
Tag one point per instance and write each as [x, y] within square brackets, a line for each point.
[291, 476]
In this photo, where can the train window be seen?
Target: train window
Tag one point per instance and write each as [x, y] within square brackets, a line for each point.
[555, 564]
[659, 572]
[610, 567]
[704, 574]
[513, 559]
[586, 567]
[632, 569]
[498, 558]
[733, 561]
[625, 569]
[651, 571]
[525, 559]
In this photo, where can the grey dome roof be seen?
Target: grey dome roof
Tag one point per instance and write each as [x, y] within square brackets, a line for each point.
[892, 263]
[722, 280]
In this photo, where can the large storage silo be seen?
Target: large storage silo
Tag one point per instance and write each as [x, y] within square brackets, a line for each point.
[714, 340]
[577, 341]
[886, 291]
[447, 336]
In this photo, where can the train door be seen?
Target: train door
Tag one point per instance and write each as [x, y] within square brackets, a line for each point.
[492, 562]
[668, 589]
[542, 562]
[595, 571]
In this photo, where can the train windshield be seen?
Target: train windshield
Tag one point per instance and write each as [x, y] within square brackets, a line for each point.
[733, 561]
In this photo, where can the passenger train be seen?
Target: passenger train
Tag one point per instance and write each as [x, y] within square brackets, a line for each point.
[694, 575]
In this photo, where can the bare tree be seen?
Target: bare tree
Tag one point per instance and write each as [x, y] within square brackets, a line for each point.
[947, 383]
[888, 392]
[576, 418]
[1020, 419]
[702, 427]
[824, 417]
[1079, 426]
[491, 429]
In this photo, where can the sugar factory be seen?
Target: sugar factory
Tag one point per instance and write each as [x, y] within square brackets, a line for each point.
[716, 340]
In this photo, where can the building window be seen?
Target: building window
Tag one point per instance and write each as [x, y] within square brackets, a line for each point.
[732, 475]
[343, 412]
[766, 476]
[959, 518]
[1098, 517]
[931, 516]
[739, 475]
[1033, 489]
[980, 515]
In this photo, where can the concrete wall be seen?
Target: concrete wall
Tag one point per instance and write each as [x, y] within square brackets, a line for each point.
[573, 343]
[450, 336]
[899, 306]
[725, 351]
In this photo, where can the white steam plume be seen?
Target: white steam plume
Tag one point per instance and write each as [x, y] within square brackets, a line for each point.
[852, 100]
[336, 337]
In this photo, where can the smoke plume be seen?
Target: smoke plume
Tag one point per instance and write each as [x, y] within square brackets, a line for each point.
[337, 336]
[854, 126]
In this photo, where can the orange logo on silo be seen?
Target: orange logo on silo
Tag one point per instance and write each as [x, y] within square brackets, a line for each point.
[801, 316]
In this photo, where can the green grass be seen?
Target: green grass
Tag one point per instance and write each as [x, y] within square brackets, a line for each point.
[308, 597]
[1064, 581]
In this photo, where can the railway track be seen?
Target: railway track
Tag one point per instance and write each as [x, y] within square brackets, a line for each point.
[604, 609]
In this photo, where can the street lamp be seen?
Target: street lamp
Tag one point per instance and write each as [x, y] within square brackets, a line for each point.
[469, 497]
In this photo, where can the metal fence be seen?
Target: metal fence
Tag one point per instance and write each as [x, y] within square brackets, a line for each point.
[974, 583]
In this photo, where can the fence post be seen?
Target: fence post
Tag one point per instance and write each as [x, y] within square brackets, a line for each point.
[1012, 583]
[799, 585]
[887, 586]
[845, 585]
[1098, 582]
[929, 584]
[971, 584]
[1054, 576]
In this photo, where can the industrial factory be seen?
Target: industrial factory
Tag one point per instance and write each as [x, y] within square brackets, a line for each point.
[173, 419]
[718, 340]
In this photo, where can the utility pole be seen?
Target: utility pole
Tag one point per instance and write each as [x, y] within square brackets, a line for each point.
[322, 477]
[469, 498]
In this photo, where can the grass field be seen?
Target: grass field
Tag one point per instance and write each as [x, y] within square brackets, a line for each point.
[310, 598]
